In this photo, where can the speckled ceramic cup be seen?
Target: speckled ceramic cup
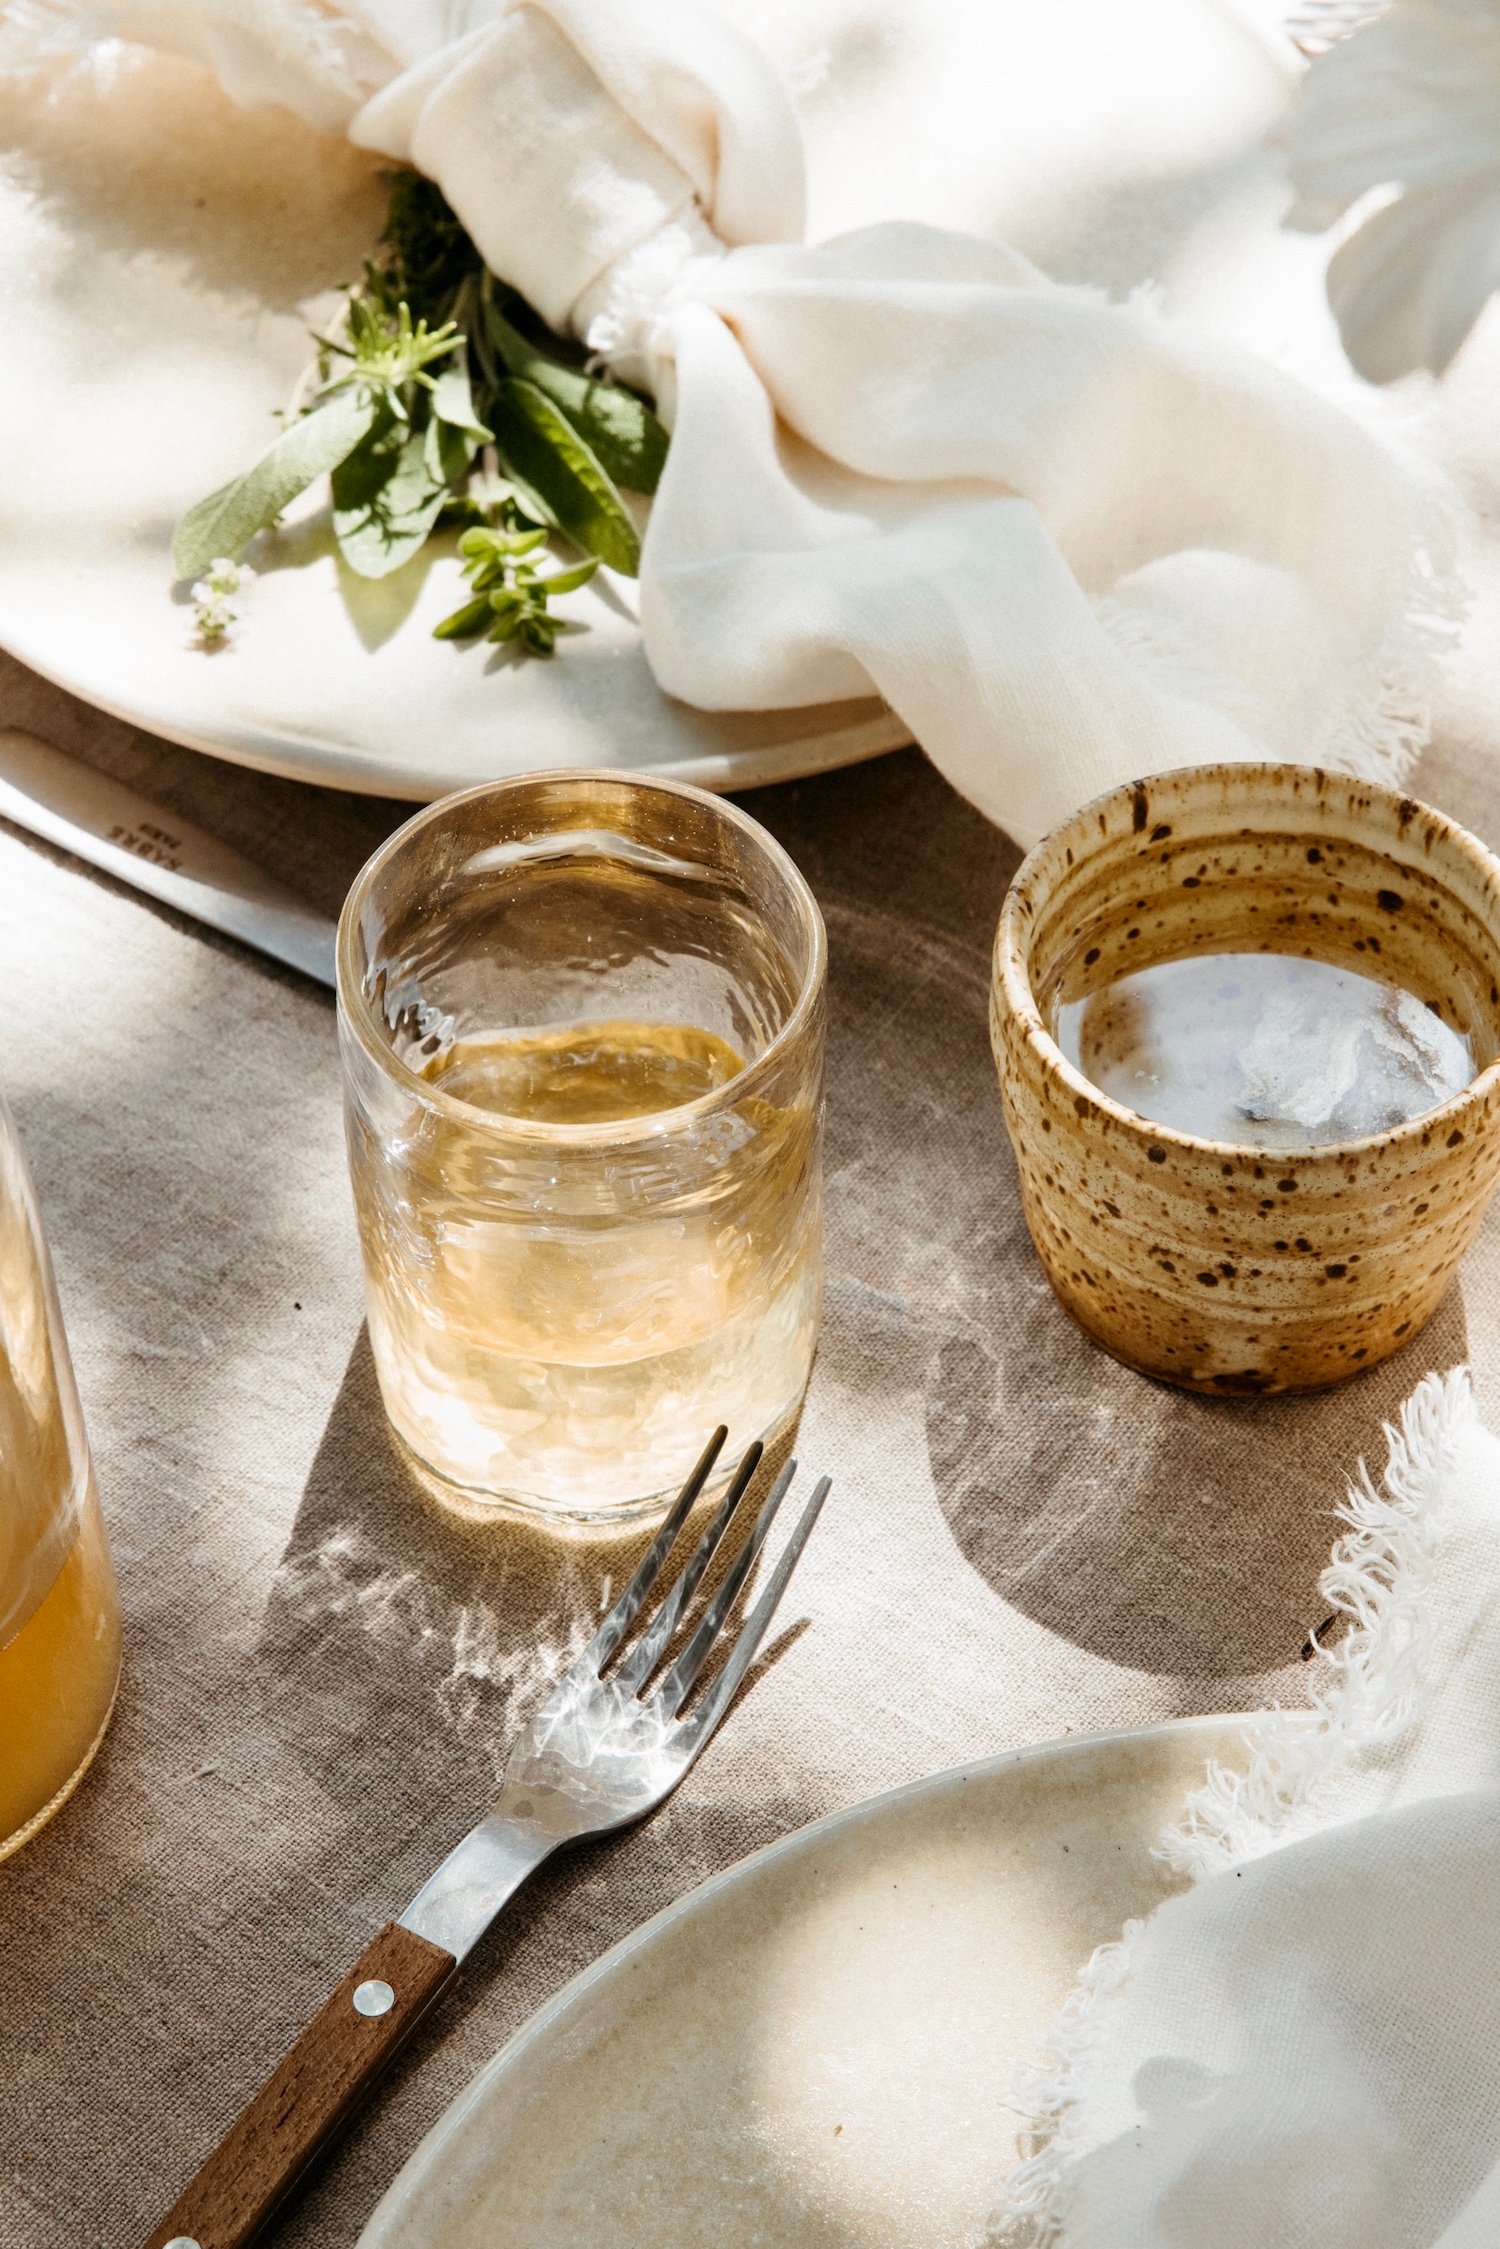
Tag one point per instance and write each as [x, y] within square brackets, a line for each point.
[1224, 1268]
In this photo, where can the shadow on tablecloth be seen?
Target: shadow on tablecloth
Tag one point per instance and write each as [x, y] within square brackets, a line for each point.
[1170, 1534]
[403, 1643]
[400, 1647]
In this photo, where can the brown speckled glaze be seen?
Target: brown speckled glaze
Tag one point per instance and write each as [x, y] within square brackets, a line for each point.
[1229, 1269]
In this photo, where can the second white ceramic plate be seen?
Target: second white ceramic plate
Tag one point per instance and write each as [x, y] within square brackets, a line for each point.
[816, 2050]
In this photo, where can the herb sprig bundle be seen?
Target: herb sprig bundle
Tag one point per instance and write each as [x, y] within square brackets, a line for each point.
[442, 399]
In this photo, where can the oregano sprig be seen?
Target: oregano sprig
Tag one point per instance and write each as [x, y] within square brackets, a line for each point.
[510, 597]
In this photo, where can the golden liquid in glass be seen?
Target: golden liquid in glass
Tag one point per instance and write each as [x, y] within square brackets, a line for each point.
[57, 1684]
[586, 1073]
[552, 1353]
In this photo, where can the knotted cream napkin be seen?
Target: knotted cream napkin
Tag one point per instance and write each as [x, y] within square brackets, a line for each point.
[1068, 541]
[1302, 2051]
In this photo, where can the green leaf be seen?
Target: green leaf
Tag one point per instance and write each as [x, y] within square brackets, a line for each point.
[463, 624]
[453, 402]
[385, 501]
[569, 581]
[447, 452]
[365, 472]
[313, 445]
[620, 429]
[531, 502]
[454, 431]
[485, 544]
[545, 454]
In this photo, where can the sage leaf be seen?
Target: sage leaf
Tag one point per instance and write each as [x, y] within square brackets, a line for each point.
[620, 429]
[448, 453]
[530, 501]
[366, 471]
[307, 449]
[546, 455]
[454, 430]
[453, 402]
[385, 501]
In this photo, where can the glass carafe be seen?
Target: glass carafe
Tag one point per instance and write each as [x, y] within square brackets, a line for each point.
[59, 1614]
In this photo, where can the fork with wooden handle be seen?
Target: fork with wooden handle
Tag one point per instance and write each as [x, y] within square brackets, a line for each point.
[609, 1745]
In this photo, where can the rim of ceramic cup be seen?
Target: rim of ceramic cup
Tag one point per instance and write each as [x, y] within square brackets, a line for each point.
[1012, 969]
[354, 1001]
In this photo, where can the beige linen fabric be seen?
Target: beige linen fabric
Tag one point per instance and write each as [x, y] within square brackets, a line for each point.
[1024, 1539]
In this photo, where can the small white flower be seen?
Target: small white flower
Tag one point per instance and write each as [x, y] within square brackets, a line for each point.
[1409, 104]
[215, 610]
[226, 577]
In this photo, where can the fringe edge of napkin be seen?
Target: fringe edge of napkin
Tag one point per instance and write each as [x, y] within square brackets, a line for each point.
[1365, 1689]
[1381, 739]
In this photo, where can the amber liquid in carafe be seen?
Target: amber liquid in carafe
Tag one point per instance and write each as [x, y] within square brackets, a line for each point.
[57, 1683]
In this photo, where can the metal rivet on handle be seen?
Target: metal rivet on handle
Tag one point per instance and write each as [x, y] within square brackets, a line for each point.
[372, 1998]
[182, 2241]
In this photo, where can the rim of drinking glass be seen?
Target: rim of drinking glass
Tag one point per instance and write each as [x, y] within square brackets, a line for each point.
[354, 1004]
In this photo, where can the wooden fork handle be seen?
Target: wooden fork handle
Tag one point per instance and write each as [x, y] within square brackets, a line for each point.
[310, 2096]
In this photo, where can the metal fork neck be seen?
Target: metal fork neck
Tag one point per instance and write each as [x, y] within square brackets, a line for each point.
[456, 1905]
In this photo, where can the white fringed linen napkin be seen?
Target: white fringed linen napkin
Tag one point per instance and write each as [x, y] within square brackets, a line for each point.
[1302, 2050]
[1068, 541]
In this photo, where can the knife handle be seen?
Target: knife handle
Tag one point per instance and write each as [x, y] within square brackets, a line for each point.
[310, 2096]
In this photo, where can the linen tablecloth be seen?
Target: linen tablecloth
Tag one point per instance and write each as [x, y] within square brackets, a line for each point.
[1025, 1540]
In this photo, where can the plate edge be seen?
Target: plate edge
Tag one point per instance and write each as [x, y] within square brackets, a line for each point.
[788, 1846]
[289, 759]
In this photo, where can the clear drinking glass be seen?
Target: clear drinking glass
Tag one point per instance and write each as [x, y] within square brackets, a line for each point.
[582, 1026]
[59, 1614]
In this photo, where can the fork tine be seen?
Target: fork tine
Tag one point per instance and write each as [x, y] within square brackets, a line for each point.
[620, 1618]
[646, 1654]
[677, 1684]
[710, 1711]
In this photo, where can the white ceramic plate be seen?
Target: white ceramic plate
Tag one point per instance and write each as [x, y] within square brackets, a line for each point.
[162, 255]
[815, 2051]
